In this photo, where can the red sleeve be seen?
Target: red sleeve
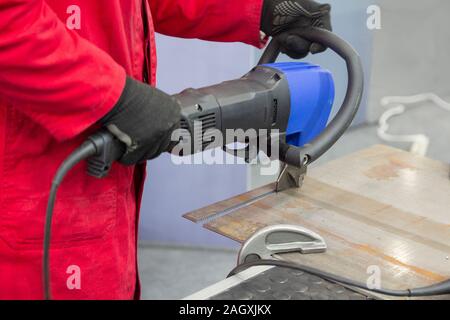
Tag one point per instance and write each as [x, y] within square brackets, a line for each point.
[51, 74]
[215, 20]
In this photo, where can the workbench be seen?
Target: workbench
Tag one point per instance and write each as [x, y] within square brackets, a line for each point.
[378, 209]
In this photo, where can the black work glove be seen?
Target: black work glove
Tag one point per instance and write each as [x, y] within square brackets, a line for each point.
[144, 119]
[280, 18]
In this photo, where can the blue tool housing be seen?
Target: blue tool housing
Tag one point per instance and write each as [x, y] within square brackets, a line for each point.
[312, 94]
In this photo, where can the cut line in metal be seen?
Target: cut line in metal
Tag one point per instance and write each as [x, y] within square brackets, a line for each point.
[235, 208]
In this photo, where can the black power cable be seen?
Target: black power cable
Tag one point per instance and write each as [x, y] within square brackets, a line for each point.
[438, 289]
[101, 150]
[85, 151]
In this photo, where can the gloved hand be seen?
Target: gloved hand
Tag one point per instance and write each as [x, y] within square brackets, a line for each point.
[144, 119]
[281, 17]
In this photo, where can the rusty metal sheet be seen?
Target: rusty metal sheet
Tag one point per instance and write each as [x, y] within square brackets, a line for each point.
[205, 213]
[378, 208]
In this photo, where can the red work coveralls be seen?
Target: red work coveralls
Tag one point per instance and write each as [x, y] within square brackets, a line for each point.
[62, 67]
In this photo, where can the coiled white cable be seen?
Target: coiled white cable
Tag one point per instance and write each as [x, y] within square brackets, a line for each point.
[420, 142]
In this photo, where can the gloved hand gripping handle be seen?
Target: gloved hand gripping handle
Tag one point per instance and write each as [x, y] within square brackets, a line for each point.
[299, 157]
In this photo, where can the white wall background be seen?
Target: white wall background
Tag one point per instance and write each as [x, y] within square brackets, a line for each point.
[411, 51]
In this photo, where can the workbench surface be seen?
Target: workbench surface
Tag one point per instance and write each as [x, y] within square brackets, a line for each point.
[378, 209]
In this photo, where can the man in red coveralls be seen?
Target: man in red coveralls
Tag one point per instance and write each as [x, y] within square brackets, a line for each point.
[68, 67]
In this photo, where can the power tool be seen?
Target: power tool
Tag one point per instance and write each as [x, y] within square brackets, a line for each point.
[293, 99]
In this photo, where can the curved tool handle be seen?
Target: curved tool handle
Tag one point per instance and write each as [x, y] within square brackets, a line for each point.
[279, 239]
[271, 53]
[302, 156]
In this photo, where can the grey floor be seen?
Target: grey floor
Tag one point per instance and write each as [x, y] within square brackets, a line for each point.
[174, 273]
